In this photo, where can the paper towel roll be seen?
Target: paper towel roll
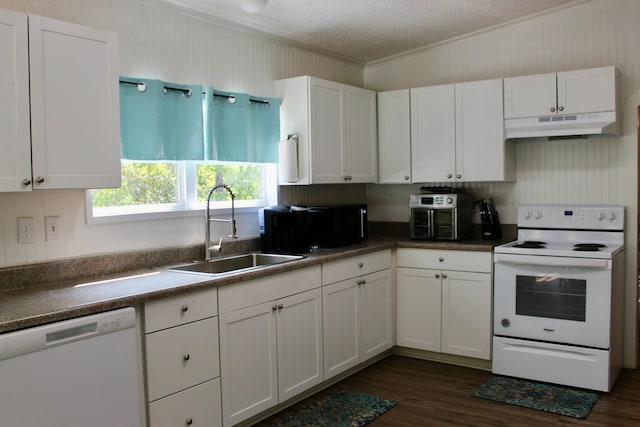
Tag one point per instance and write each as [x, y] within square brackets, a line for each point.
[288, 160]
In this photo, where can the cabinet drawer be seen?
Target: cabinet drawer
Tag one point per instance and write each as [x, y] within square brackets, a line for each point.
[445, 259]
[175, 311]
[181, 357]
[336, 271]
[200, 404]
[257, 291]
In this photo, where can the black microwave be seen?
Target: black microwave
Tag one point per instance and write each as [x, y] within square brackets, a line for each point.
[341, 225]
[295, 229]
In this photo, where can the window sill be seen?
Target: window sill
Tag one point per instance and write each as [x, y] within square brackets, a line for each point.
[161, 215]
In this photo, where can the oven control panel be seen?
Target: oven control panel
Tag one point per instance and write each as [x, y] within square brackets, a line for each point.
[587, 217]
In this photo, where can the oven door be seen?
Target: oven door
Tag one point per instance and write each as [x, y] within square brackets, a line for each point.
[553, 299]
[421, 223]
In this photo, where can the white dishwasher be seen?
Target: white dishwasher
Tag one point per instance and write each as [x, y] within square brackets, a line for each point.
[76, 373]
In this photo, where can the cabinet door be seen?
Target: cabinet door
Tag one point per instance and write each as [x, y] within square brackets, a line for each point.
[75, 120]
[375, 313]
[340, 327]
[530, 96]
[466, 314]
[587, 91]
[394, 137]
[326, 122]
[360, 154]
[433, 134]
[480, 144]
[418, 310]
[248, 362]
[299, 328]
[197, 406]
[15, 133]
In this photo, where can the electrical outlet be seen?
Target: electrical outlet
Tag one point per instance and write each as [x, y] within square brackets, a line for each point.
[25, 230]
[52, 227]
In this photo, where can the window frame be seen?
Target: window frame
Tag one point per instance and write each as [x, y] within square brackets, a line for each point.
[187, 205]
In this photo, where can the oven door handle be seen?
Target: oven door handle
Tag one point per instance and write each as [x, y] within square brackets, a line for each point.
[552, 261]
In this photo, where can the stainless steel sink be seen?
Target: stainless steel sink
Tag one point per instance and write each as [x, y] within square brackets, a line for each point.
[234, 263]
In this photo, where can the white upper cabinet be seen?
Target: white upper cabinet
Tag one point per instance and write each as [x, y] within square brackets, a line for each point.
[15, 134]
[336, 128]
[457, 134]
[394, 137]
[72, 100]
[570, 92]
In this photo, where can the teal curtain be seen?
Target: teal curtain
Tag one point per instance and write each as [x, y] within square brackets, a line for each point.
[263, 129]
[162, 122]
[239, 129]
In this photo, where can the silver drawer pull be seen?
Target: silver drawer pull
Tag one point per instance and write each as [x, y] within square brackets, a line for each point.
[360, 264]
[186, 357]
[189, 421]
[441, 259]
[184, 308]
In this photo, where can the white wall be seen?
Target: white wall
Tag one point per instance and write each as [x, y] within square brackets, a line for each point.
[157, 43]
[594, 171]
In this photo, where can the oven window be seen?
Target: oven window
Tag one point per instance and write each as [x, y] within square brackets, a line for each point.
[551, 296]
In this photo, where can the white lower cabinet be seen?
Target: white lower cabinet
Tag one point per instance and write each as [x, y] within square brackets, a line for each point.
[270, 341]
[444, 301]
[182, 360]
[357, 312]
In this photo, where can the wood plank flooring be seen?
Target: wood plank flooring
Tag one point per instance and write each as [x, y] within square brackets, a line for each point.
[437, 394]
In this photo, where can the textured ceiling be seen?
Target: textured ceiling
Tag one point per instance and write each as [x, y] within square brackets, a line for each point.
[368, 30]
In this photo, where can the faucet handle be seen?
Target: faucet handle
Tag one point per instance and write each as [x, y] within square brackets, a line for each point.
[217, 248]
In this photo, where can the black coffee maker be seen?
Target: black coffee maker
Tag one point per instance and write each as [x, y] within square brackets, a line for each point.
[489, 217]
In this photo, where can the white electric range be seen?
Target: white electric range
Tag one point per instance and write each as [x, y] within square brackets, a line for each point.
[558, 296]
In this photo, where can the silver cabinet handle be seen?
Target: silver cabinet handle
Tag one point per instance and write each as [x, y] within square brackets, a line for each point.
[186, 357]
[280, 306]
[189, 421]
[560, 108]
[360, 264]
[552, 109]
[184, 308]
[437, 275]
[444, 275]
[26, 181]
[40, 179]
[274, 307]
[449, 176]
[458, 176]
[406, 177]
[441, 259]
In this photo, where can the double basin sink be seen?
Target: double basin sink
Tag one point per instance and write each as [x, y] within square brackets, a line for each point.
[234, 263]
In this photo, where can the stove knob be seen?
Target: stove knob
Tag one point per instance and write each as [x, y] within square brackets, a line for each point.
[601, 216]
[505, 323]
[611, 216]
[538, 215]
[449, 200]
[527, 214]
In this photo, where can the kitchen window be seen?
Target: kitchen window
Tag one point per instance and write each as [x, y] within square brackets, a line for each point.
[153, 189]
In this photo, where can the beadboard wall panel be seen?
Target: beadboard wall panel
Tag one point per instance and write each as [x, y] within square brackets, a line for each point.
[157, 43]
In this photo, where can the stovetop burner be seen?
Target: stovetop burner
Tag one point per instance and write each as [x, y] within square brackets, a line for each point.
[531, 244]
[588, 247]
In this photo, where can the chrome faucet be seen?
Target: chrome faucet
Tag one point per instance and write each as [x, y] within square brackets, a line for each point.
[209, 248]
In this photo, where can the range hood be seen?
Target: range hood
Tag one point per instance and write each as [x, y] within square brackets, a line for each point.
[579, 125]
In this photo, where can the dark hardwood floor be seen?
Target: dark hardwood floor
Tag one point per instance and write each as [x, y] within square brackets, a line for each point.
[437, 394]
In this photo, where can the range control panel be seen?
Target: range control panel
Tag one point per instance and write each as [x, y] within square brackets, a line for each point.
[584, 217]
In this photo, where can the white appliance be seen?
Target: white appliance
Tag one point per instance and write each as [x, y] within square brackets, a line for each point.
[558, 296]
[562, 125]
[75, 373]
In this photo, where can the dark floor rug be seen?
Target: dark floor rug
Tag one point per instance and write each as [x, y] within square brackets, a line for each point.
[543, 397]
[339, 409]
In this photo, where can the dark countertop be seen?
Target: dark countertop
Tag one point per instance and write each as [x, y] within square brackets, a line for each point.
[40, 298]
